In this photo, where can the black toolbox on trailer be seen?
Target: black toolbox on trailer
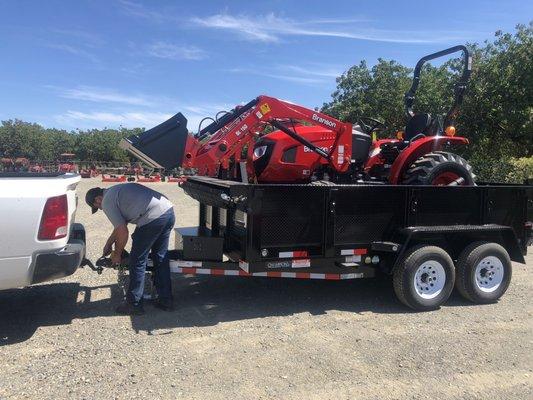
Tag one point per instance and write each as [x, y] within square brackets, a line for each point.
[356, 227]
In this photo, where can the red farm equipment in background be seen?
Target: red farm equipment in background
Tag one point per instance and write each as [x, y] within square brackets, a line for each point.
[66, 163]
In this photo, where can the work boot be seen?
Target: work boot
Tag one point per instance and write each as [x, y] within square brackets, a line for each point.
[129, 309]
[164, 304]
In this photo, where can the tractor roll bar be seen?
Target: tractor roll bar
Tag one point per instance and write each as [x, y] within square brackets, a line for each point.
[459, 87]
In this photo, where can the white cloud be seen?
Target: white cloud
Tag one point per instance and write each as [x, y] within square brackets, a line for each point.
[247, 28]
[98, 119]
[80, 36]
[102, 95]
[316, 70]
[270, 28]
[290, 78]
[75, 119]
[138, 10]
[75, 51]
[313, 74]
[126, 109]
[175, 52]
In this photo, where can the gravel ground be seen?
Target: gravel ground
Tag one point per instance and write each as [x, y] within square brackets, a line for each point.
[243, 338]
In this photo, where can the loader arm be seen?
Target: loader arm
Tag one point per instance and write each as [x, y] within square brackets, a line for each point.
[222, 142]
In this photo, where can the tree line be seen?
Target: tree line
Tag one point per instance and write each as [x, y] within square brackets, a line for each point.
[496, 116]
[32, 141]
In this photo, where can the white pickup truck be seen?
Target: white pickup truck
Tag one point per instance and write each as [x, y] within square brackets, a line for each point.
[39, 240]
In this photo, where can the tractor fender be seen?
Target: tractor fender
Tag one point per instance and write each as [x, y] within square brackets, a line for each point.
[416, 150]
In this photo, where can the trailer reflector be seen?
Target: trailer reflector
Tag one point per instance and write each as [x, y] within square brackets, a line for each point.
[244, 266]
[293, 254]
[268, 274]
[353, 259]
[351, 252]
[301, 263]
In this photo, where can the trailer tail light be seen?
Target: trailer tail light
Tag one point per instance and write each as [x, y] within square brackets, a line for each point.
[54, 222]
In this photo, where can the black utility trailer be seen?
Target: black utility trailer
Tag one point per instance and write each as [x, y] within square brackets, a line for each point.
[427, 237]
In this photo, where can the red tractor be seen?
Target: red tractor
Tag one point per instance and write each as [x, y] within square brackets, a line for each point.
[66, 163]
[304, 146]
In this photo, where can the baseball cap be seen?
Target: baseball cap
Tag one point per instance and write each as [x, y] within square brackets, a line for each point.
[91, 195]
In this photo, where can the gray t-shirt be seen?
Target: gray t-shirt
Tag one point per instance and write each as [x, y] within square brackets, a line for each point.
[133, 203]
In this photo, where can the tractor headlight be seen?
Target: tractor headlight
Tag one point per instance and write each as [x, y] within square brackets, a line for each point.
[259, 152]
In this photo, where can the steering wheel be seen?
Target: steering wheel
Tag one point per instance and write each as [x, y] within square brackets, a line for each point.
[369, 125]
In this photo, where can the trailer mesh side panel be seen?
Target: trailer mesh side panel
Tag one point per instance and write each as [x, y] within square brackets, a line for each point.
[446, 206]
[367, 214]
[295, 217]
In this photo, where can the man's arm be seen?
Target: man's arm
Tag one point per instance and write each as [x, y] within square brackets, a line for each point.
[109, 244]
[121, 237]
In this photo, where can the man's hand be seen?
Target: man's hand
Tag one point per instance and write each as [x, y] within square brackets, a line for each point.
[116, 258]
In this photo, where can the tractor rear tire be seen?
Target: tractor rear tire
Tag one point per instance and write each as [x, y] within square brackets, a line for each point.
[439, 168]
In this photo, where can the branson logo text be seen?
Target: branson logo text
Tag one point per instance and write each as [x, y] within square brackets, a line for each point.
[324, 121]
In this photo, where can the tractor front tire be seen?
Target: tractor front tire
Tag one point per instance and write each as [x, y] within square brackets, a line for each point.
[440, 168]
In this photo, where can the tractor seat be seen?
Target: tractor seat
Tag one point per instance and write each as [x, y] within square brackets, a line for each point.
[419, 123]
[361, 143]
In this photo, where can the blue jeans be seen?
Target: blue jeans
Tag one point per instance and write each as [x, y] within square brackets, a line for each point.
[153, 236]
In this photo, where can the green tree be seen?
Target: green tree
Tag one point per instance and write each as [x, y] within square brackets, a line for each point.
[497, 113]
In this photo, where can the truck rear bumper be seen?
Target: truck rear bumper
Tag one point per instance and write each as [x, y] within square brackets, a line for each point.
[61, 263]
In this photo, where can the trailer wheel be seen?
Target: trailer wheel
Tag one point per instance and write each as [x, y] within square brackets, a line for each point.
[423, 279]
[440, 168]
[484, 272]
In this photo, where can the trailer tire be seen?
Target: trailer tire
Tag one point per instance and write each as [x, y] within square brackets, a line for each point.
[423, 278]
[439, 168]
[484, 272]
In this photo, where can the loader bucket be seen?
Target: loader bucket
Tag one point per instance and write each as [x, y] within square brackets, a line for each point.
[162, 146]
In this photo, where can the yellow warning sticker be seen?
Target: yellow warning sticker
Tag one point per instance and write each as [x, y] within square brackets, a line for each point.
[265, 108]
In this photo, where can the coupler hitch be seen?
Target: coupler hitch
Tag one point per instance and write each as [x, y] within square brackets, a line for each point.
[105, 262]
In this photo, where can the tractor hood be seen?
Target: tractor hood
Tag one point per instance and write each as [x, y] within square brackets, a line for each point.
[162, 146]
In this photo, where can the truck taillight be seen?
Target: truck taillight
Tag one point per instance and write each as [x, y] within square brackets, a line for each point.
[54, 222]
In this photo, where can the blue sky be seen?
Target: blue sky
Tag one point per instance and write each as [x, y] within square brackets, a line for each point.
[91, 64]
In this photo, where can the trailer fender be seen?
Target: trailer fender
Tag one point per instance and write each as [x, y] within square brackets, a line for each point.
[455, 238]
